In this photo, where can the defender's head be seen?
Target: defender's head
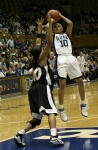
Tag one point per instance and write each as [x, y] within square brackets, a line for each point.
[35, 51]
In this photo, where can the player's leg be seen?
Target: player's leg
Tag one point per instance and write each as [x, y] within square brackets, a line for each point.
[81, 89]
[19, 140]
[62, 67]
[1, 89]
[75, 73]
[61, 92]
[53, 131]
[49, 108]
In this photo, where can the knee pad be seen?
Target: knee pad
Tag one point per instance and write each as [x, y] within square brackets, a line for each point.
[34, 122]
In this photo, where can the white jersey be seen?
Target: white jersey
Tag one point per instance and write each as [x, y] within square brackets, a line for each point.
[62, 44]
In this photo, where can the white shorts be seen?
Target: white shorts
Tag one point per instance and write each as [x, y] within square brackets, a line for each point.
[68, 65]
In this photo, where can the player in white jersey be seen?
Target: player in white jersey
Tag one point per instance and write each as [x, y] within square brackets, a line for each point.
[67, 65]
[61, 41]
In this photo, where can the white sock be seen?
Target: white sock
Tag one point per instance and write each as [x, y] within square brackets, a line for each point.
[61, 106]
[53, 131]
[83, 102]
[22, 131]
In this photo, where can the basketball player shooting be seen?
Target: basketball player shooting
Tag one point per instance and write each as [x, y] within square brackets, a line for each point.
[66, 63]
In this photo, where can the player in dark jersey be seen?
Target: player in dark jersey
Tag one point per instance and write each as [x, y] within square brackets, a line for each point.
[40, 95]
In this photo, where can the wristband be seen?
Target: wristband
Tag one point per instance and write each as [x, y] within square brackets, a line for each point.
[39, 35]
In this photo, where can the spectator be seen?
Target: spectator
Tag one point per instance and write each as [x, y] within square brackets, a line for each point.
[92, 68]
[96, 70]
[4, 42]
[10, 42]
[1, 72]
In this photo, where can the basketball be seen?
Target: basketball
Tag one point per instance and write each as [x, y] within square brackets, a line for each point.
[54, 14]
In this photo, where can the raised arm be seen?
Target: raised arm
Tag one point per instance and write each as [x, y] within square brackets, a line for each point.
[69, 24]
[39, 31]
[49, 39]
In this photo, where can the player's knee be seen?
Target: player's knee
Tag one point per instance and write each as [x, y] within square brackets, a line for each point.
[62, 85]
[80, 81]
[35, 122]
[1, 88]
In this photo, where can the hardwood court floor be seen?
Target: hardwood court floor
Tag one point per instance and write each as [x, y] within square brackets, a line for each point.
[14, 111]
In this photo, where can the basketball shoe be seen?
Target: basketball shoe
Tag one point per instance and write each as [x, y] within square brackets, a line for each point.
[55, 140]
[19, 140]
[63, 115]
[84, 110]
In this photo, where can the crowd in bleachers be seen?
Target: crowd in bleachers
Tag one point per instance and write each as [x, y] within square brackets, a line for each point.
[15, 24]
[10, 24]
[85, 25]
[15, 56]
[88, 65]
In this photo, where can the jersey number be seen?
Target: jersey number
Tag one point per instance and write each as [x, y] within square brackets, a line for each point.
[37, 73]
[64, 42]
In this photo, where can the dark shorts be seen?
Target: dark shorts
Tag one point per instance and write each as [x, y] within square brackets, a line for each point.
[41, 100]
